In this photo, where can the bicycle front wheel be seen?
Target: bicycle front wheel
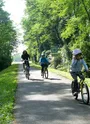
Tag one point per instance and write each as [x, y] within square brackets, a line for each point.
[85, 93]
[27, 74]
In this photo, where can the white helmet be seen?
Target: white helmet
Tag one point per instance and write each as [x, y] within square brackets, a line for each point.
[76, 51]
[42, 54]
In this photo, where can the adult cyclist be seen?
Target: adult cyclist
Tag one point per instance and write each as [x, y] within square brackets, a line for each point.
[25, 57]
[43, 62]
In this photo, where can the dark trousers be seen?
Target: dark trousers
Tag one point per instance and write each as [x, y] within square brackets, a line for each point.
[43, 66]
[75, 76]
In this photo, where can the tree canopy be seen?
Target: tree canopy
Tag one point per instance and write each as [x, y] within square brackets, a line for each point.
[52, 23]
[7, 38]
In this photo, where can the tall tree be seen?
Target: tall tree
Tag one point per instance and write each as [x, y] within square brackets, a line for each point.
[7, 38]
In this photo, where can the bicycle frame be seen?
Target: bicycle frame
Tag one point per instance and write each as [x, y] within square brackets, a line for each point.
[81, 83]
[84, 91]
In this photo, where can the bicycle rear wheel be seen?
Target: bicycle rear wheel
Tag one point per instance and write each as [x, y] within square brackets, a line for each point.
[46, 74]
[85, 93]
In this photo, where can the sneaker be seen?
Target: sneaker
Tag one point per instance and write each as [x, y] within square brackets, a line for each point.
[75, 93]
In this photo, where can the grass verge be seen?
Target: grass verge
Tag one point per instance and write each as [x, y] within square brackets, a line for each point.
[56, 71]
[8, 84]
[62, 73]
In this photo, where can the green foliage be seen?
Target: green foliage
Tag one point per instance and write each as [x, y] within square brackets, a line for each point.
[8, 84]
[57, 23]
[85, 46]
[57, 60]
[7, 38]
[48, 52]
[42, 27]
[70, 28]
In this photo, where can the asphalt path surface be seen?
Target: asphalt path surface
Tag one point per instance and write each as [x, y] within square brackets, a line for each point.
[47, 101]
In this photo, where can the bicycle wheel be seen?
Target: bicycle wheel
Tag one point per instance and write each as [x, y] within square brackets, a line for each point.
[27, 74]
[43, 75]
[46, 73]
[85, 93]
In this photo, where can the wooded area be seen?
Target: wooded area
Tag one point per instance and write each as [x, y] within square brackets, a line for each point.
[7, 38]
[55, 27]
[60, 24]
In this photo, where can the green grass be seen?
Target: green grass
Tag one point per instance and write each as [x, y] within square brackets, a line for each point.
[8, 84]
[62, 73]
[56, 71]
[35, 66]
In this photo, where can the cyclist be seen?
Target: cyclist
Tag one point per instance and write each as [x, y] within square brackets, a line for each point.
[43, 62]
[25, 57]
[76, 66]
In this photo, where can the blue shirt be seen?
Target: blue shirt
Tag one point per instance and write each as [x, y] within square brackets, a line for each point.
[43, 60]
[76, 65]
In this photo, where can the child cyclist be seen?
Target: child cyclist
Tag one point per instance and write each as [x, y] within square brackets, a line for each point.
[76, 66]
[43, 62]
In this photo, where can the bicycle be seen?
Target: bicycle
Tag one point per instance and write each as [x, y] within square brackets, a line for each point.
[45, 73]
[83, 89]
[26, 69]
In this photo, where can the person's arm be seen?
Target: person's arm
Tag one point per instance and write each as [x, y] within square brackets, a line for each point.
[40, 60]
[85, 65]
[28, 56]
[47, 61]
[21, 57]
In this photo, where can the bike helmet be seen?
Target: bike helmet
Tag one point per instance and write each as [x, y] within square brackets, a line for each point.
[42, 54]
[76, 52]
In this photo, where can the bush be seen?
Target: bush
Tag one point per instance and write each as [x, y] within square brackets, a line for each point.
[5, 61]
[57, 60]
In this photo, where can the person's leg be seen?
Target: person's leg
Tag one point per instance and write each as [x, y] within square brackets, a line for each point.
[28, 65]
[81, 76]
[41, 69]
[74, 76]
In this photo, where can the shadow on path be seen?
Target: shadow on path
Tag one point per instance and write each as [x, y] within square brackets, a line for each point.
[43, 102]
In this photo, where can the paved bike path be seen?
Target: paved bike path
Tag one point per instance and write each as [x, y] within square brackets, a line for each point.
[47, 101]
